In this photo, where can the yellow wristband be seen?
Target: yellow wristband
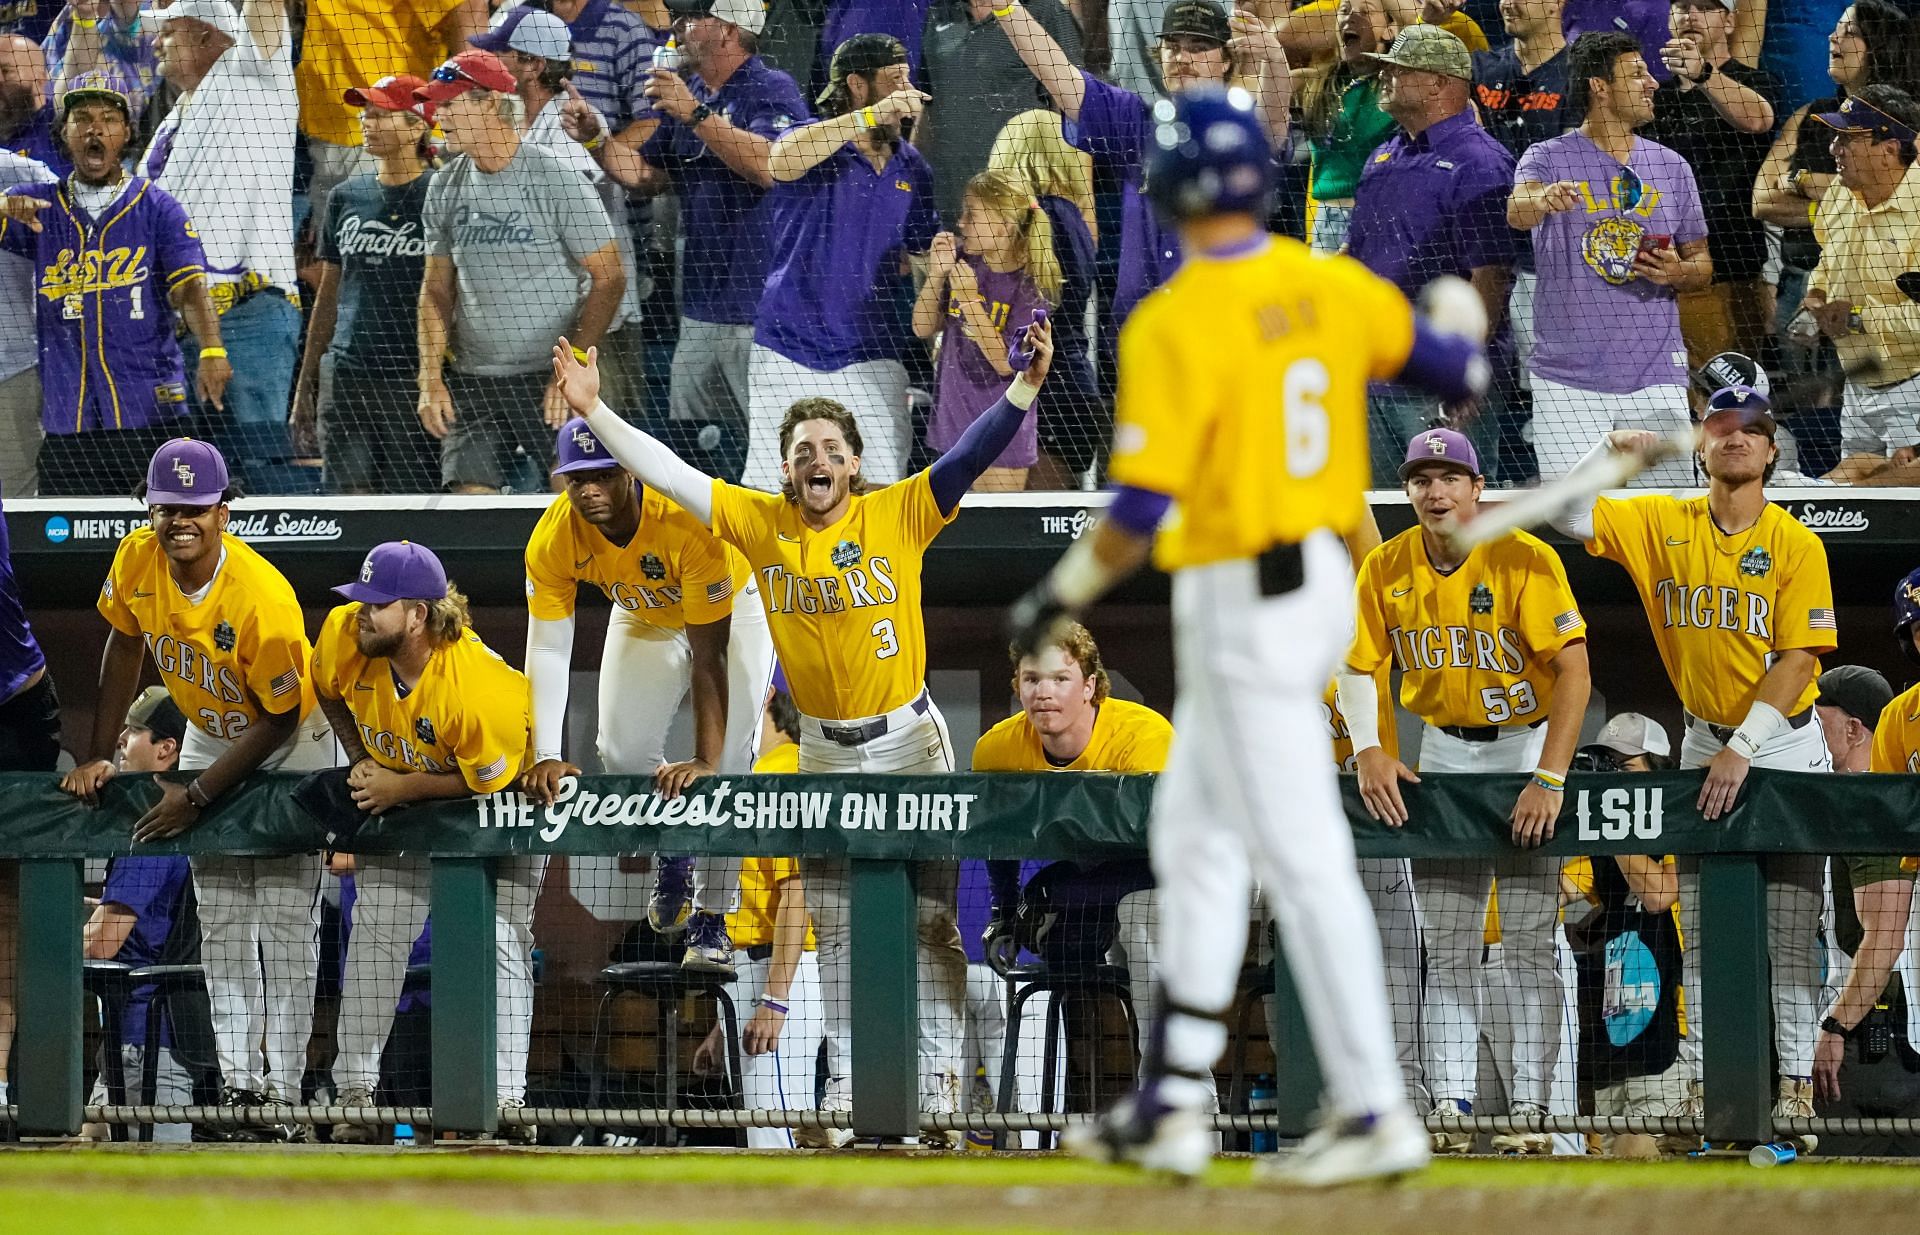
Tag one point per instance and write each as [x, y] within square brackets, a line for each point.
[1813, 212]
[1003, 14]
[580, 354]
[868, 118]
[599, 140]
[209, 353]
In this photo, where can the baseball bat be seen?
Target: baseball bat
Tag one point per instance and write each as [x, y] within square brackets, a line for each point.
[1533, 507]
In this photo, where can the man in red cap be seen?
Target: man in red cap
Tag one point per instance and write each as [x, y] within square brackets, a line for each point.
[355, 396]
[515, 232]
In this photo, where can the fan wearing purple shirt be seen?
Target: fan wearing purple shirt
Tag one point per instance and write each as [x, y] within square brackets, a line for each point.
[1199, 46]
[1618, 233]
[852, 200]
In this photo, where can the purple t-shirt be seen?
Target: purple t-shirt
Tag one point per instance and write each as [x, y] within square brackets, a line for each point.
[20, 654]
[1645, 20]
[1114, 127]
[150, 888]
[725, 217]
[834, 296]
[903, 19]
[1597, 325]
[969, 385]
[1434, 204]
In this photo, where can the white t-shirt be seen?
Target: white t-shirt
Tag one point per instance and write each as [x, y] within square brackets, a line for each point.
[225, 152]
[19, 331]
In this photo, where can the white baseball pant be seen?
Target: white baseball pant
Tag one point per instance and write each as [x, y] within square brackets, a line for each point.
[172, 1086]
[1453, 906]
[1796, 892]
[644, 674]
[1567, 421]
[875, 391]
[916, 741]
[781, 1079]
[1501, 1009]
[1137, 947]
[391, 900]
[260, 933]
[1388, 883]
[1249, 792]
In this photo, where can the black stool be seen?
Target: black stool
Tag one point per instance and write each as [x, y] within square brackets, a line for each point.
[110, 982]
[666, 983]
[167, 981]
[1067, 986]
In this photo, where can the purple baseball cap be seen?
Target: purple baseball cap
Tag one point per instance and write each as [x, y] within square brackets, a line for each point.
[398, 570]
[1440, 446]
[1749, 404]
[578, 450]
[187, 472]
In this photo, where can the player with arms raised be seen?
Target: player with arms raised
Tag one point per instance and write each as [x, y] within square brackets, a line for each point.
[839, 572]
[1741, 605]
[1267, 458]
[1492, 654]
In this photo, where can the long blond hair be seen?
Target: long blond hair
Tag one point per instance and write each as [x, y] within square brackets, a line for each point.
[1011, 199]
[1032, 147]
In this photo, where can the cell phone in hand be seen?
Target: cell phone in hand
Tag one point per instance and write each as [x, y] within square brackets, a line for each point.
[1020, 352]
[1652, 241]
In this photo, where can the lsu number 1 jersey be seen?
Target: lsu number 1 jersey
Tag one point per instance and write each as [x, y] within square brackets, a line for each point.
[1896, 738]
[239, 651]
[1127, 737]
[843, 603]
[1721, 607]
[467, 713]
[671, 574]
[1473, 646]
[1243, 397]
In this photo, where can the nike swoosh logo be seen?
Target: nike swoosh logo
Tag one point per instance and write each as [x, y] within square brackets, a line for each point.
[582, 562]
[361, 686]
[1401, 591]
[139, 595]
[1672, 541]
[792, 540]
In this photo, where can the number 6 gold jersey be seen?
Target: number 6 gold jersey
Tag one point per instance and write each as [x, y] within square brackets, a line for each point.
[1473, 647]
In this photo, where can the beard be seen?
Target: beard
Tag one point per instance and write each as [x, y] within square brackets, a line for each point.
[375, 646]
[16, 108]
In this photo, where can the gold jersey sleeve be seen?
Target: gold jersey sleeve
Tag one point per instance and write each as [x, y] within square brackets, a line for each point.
[238, 653]
[671, 573]
[1271, 445]
[1342, 737]
[1896, 738]
[1474, 647]
[1721, 607]
[751, 925]
[467, 713]
[1127, 737]
[843, 603]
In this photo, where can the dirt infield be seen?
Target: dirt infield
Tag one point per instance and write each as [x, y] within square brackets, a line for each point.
[478, 1192]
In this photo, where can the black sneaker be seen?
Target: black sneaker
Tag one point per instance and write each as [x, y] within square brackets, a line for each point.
[250, 1100]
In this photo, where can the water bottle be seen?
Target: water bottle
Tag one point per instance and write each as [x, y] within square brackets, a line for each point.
[667, 56]
[1776, 1153]
[403, 1134]
[1263, 1099]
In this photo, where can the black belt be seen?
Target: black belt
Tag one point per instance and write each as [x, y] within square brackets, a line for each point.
[1482, 733]
[759, 951]
[1280, 569]
[860, 735]
[1723, 733]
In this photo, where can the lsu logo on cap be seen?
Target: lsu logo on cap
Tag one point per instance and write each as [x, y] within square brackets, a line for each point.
[182, 472]
[1436, 445]
[585, 441]
[366, 570]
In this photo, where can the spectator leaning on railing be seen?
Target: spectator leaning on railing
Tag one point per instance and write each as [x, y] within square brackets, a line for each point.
[1868, 227]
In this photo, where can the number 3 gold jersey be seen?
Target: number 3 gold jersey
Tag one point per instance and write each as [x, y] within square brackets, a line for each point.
[1243, 397]
[1473, 647]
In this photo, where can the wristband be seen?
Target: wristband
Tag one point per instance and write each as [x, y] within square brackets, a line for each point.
[211, 353]
[580, 354]
[1762, 724]
[197, 795]
[1003, 14]
[868, 118]
[598, 140]
[1832, 1026]
[1706, 72]
[1550, 780]
[1359, 698]
[764, 1002]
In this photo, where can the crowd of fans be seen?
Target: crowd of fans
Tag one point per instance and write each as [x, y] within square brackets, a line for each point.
[743, 203]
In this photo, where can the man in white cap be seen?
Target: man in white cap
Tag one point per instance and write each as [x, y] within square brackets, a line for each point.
[1632, 742]
[225, 152]
[537, 49]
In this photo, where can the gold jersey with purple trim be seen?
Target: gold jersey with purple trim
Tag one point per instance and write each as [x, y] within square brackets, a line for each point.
[1127, 737]
[671, 574]
[1896, 737]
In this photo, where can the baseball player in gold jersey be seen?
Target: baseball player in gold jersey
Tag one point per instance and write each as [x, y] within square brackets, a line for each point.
[1492, 654]
[1266, 456]
[425, 711]
[686, 613]
[1741, 605]
[225, 632]
[839, 573]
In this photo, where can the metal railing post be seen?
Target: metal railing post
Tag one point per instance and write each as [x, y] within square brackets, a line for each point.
[886, 1039]
[1297, 1080]
[48, 1035]
[465, 1094]
[1737, 1057]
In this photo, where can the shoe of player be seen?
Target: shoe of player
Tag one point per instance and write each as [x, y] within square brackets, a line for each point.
[355, 1133]
[1349, 1150]
[1524, 1142]
[1693, 1106]
[822, 1138]
[250, 1100]
[1794, 1100]
[1144, 1130]
[517, 1133]
[709, 947]
[672, 901]
[1452, 1142]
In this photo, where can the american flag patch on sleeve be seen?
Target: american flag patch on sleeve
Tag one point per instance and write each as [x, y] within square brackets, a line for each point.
[492, 771]
[1820, 619]
[1568, 621]
[286, 683]
[717, 592]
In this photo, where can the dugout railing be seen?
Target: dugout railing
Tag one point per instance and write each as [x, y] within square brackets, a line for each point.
[883, 824]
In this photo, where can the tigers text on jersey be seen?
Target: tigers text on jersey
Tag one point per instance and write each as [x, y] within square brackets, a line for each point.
[1342, 737]
[1896, 738]
[843, 604]
[673, 572]
[1473, 647]
[1243, 397]
[1127, 737]
[240, 652]
[467, 713]
[1720, 606]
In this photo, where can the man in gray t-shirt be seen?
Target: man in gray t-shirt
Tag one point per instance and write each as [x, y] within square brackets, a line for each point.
[519, 252]
[19, 348]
